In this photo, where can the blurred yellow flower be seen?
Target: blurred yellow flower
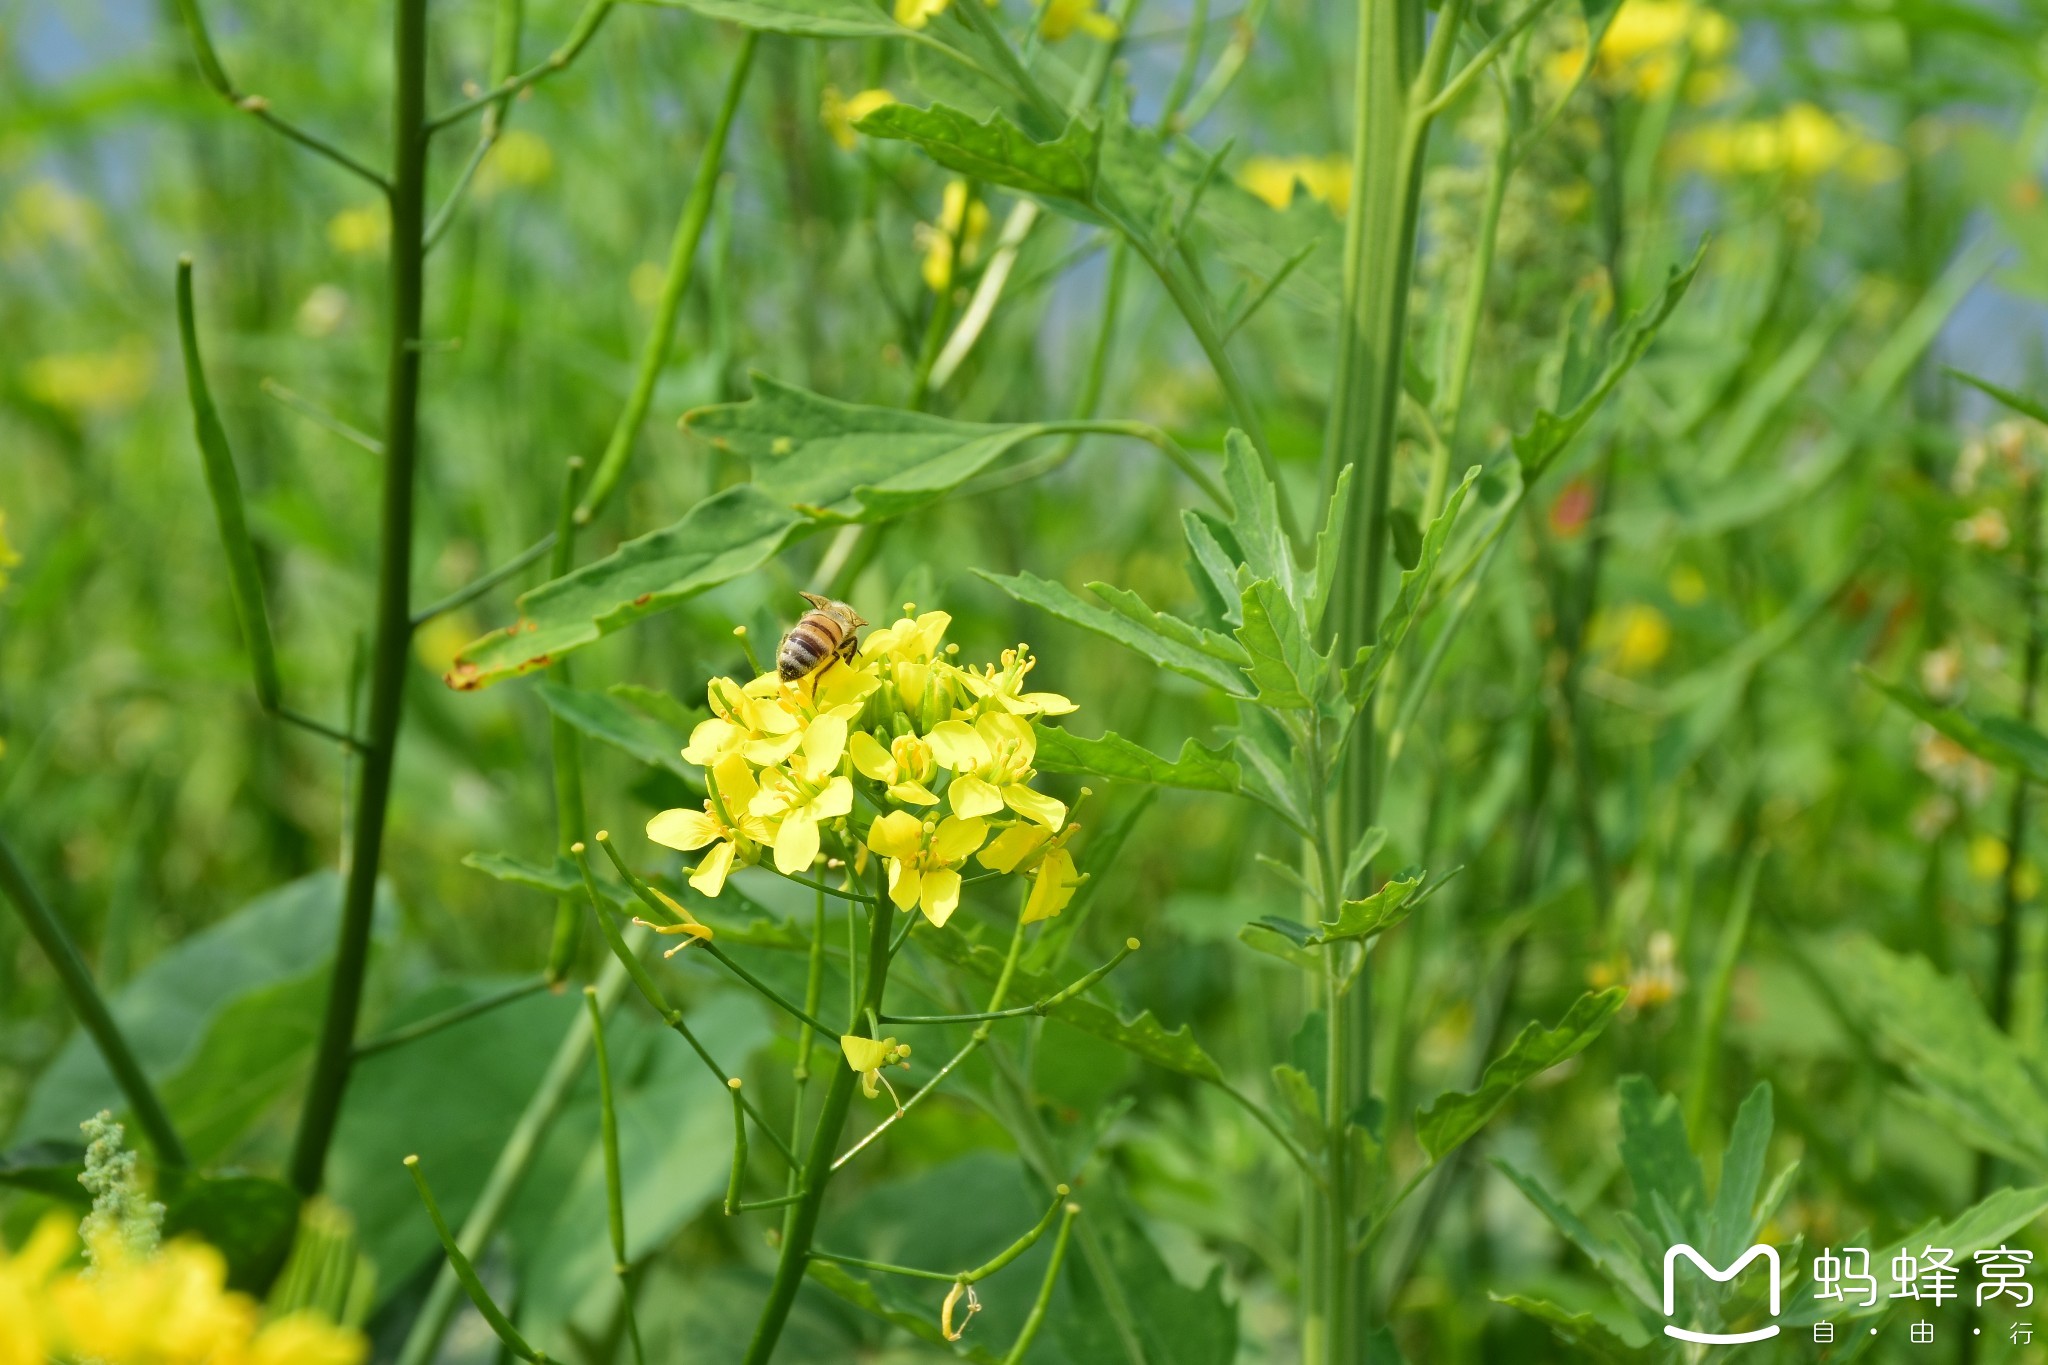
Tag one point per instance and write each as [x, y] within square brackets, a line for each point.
[518, 160]
[172, 1308]
[9, 556]
[918, 13]
[359, 231]
[93, 382]
[1061, 17]
[1647, 44]
[1632, 638]
[45, 211]
[839, 113]
[1273, 178]
[1803, 143]
[956, 220]
[1687, 585]
[1987, 857]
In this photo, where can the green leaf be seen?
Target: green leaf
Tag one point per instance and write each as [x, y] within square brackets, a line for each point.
[1128, 604]
[1329, 550]
[996, 151]
[562, 879]
[2002, 740]
[1549, 433]
[189, 1014]
[1364, 673]
[249, 1219]
[1143, 1034]
[866, 1295]
[1289, 940]
[850, 461]
[1255, 515]
[1731, 1220]
[1160, 649]
[1302, 1106]
[1214, 556]
[610, 721]
[1406, 533]
[1286, 671]
[1197, 769]
[728, 534]
[2018, 402]
[1453, 1118]
[1583, 1332]
[1619, 1269]
[802, 18]
[1375, 914]
[1933, 1026]
[1173, 1323]
[46, 1167]
[1659, 1160]
[224, 486]
[1368, 847]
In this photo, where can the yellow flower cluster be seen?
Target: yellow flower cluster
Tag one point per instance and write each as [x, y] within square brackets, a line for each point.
[173, 1308]
[1647, 45]
[941, 754]
[958, 219]
[1803, 143]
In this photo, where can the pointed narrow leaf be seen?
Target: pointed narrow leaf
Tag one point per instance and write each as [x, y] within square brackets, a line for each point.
[1255, 520]
[1212, 551]
[1289, 940]
[1167, 653]
[850, 460]
[1659, 1160]
[1549, 433]
[1301, 1104]
[224, 486]
[1329, 550]
[1126, 603]
[1622, 1272]
[562, 879]
[1061, 172]
[728, 534]
[2018, 402]
[1364, 673]
[1453, 1118]
[1590, 1338]
[2003, 740]
[1197, 769]
[1742, 1172]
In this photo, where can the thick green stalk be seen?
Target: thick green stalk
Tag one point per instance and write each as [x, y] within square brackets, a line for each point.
[391, 652]
[48, 932]
[611, 466]
[800, 1225]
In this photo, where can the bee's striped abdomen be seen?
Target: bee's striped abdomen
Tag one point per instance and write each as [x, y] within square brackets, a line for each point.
[809, 643]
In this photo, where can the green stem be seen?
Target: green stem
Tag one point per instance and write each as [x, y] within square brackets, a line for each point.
[448, 1018]
[579, 37]
[76, 978]
[565, 746]
[391, 651]
[466, 1275]
[654, 351]
[801, 1224]
[1050, 1003]
[614, 1180]
[1052, 1274]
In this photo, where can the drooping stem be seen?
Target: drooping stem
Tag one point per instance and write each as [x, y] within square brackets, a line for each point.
[565, 746]
[76, 978]
[800, 1225]
[392, 633]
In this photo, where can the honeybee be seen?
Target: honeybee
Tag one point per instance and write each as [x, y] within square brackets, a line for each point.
[826, 630]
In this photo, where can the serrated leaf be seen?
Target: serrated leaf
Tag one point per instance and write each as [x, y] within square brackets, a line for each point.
[1581, 1331]
[1255, 515]
[1285, 670]
[1730, 1220]
[1607, 1259]
[852, 461]
[1143, 1034]
[1453, 1118]
[1659, 1159]
[610, 721]
[1113, 756]
[728, 534]
[1167, 653]
[1364, 673]
[1329, 551]
[1128, 604]
[562, 879]
[1375, 914]
[2009, 743]
[1548, 432]
[996, 151]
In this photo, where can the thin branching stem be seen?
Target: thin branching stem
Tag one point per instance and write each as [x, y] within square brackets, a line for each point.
[448, 1018]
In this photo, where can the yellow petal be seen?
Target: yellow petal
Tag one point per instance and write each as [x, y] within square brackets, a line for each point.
[913, 794]
[957, 746]
[906, 884]
[683, 830]
[771, 751]
[835, 800]
[899, 834]
[1047, 704]
[972, 796]
[825, 744]
[1012, 847]
[709, 878]
[1035, 805]
[941, 896]
[870, 758]
[736, 784]
[955, 838]
[1053, 888]
[796, 845]
[710, 739]
[866, 1054]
